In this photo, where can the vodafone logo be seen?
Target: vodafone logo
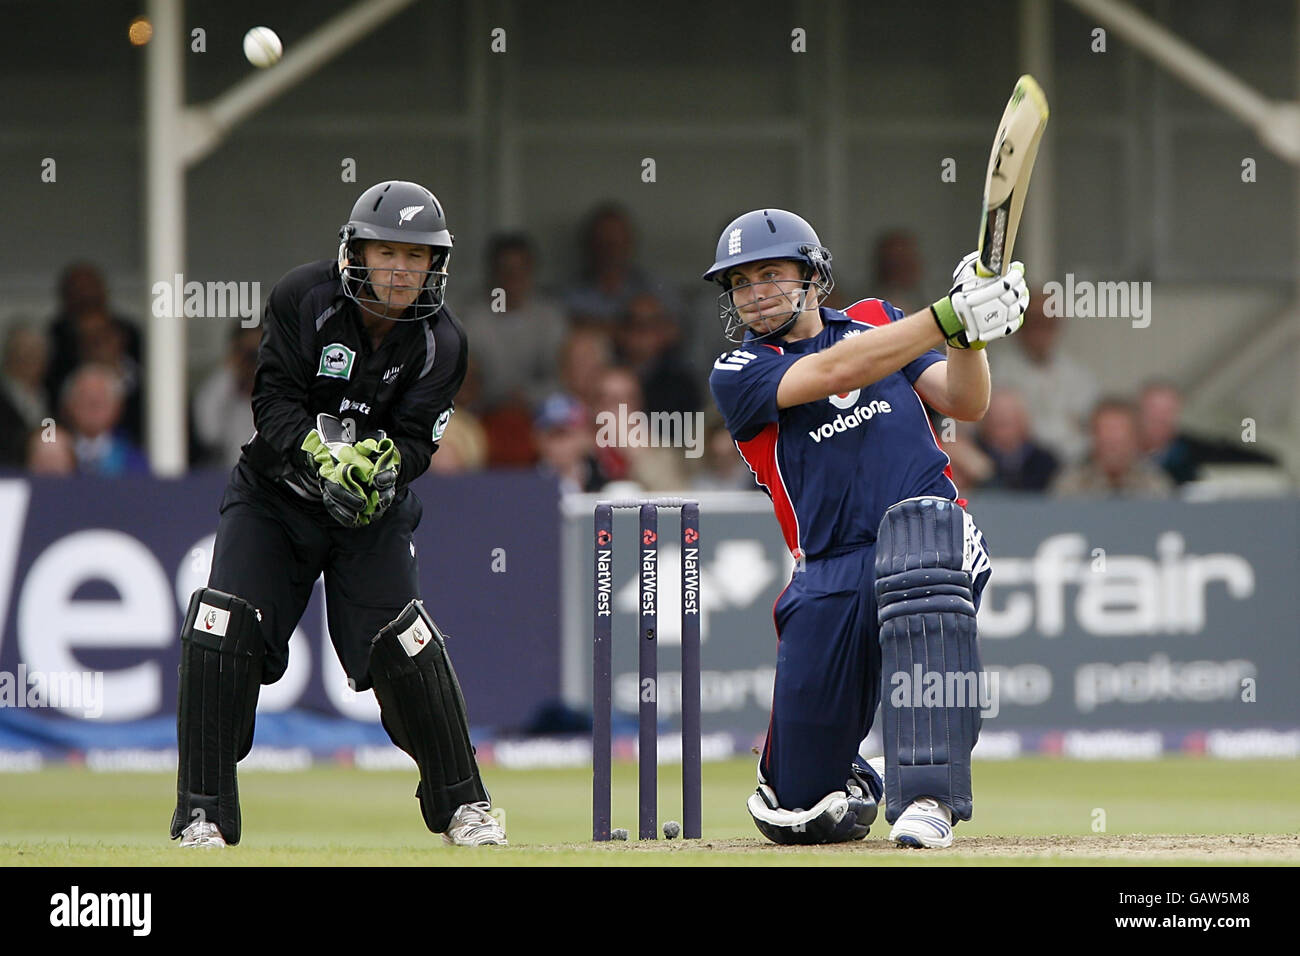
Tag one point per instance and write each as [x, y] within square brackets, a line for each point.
[843, 423]
[845, 399]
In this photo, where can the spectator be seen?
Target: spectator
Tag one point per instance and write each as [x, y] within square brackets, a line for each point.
[971, 467]
[898, 271]
[654, 468]
[507, 429]
[50, 457]
[514, 332]
[1159, 409]
[92, 412]
[647, 341]
[223, 409]
[1019, 463]
[464, 447]
[1115, 465]
[22, 392]
[584, 358]
[564, 439]
[81, 333]
[610, 278]
[1058, 391]
[722, 468]
[1181, 455]
[467, 443]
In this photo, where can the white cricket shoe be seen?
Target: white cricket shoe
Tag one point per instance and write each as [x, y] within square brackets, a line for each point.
[925, 823]
[474, 825]
[203, 834]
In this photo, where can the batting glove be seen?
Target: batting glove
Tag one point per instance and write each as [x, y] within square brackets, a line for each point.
[966, 268]
[977, 310]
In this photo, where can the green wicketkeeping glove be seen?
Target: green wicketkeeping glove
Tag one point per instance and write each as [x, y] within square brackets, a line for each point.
[387, 463]
[345, 477]
[381, 452]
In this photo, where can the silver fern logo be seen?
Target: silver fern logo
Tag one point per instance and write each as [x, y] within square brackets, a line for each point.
[407, 213]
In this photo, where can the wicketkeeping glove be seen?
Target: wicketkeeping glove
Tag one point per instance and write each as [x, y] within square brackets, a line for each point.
[346, 480]
[386, 463]
[978, 310]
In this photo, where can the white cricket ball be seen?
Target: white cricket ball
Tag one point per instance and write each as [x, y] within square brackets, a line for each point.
[672, 829]
[262, 47]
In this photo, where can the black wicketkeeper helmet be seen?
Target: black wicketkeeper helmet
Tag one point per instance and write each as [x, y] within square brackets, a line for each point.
[398, 212]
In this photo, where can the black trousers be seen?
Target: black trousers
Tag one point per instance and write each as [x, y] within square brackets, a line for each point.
[272, 546]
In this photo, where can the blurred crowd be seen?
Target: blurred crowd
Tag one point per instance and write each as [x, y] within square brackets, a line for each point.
[1049, 429]
[615, 339]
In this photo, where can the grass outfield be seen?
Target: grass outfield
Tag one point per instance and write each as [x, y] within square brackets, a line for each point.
[1032, 811]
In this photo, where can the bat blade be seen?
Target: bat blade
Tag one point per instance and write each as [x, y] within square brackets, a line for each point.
[1007, 179]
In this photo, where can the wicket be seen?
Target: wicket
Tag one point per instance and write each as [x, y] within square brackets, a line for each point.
[648, 709]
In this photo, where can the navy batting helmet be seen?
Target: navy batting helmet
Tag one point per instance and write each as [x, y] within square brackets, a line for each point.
[757, 237]
[395, 211]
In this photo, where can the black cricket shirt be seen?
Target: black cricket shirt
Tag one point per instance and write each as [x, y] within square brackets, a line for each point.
[316, 356]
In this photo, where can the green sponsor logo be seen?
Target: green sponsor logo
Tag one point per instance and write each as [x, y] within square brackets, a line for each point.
[336, 361]
[440, 425]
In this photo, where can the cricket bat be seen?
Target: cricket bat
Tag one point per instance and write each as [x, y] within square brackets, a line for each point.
[1007, 180]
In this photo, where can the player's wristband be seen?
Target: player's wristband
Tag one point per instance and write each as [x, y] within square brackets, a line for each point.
[949, 323]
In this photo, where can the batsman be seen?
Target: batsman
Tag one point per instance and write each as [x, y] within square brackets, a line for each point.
[827, 408]
[359, 362]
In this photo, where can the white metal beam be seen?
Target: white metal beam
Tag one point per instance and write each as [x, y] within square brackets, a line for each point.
[164, 188]
[208, 124]
[1293, 462]
[177, 137]
[1276, 123]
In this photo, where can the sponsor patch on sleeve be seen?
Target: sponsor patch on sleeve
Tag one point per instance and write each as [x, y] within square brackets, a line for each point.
[440, 425]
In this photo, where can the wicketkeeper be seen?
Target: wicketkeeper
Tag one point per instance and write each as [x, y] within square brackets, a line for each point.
[359, 362]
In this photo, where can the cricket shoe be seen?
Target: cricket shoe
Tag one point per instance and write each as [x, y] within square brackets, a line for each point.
[474, 825]
[203, 834]
[925, 823]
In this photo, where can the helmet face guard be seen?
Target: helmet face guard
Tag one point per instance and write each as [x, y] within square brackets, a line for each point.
[759, 236]
[734, 325]
[360, 285]
[397, 212]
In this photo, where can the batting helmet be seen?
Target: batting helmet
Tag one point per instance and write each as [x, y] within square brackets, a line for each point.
[757, 237]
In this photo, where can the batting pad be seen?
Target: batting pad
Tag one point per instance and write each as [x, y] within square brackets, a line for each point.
[221, 672]
[422, 709]
[929, 657]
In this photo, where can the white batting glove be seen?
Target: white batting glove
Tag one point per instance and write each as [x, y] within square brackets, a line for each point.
[966, 268]
[979, 310]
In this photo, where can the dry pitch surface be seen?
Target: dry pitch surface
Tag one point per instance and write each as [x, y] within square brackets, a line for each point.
[1028, 812]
